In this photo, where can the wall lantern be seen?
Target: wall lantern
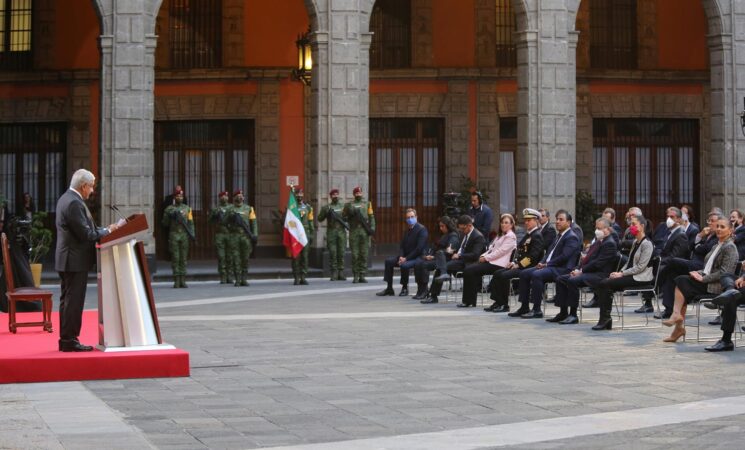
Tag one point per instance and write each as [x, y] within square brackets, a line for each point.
[304, 59]
[742, 118]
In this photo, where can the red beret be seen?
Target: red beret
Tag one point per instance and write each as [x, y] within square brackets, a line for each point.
[298, 190]
[333, 191]
[178, 192]
[224, 194]
[357, 190]
[238, 192]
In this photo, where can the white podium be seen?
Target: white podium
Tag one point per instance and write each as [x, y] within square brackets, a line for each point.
[127, 320]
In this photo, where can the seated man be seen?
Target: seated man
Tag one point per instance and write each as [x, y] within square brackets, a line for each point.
[529, 253]
[412, 246]
[429, 261]
[560, 258]
[470, 247]
[601, 259]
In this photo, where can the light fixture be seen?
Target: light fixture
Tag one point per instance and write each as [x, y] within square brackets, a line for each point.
[742, 117]
[304, 59]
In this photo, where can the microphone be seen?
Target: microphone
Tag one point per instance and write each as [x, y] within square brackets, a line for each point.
[122, 219]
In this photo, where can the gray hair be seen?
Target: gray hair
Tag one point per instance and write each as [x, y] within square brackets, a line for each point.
[81, 177]
[604, 221]
[636, 211]
[675, 210]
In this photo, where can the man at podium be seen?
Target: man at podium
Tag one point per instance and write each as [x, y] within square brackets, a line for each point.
[74, 256]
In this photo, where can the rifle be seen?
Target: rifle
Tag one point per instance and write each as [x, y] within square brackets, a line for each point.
[244, 226]
[334, 216]
[364, 222]
[218, 217]
[180, 219]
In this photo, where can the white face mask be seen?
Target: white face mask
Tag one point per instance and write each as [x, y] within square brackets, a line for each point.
[670, 222]
[599, 234]
[685, 217]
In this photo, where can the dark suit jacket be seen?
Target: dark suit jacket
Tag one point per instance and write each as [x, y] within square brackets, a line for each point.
[604, 259]
[659, 237]
[691, 232]
[740, 242]
[530, 246]
[474, 247]
[676, 246]
[76, 235]
[414, 242]
[548, 233]
[701, 249]
[482, 219]
[565, 251]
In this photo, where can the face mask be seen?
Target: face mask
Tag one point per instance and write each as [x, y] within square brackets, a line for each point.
[358, 197]
[628, 221]
[633, 230]
[685, 217]
[669, 222]
[411, 220]
[599, 234]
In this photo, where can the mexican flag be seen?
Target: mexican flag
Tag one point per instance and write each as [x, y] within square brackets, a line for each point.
[294, 237]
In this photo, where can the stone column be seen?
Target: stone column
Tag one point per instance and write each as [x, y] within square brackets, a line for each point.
[126, 163]
[546, 110]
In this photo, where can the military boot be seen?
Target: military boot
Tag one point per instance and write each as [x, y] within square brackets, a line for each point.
[340, 276]
[303, 281]
[361, 279]
[183, 281]
[176, 283]
[244, 275]
[222, 278]
[355, 278]
[297, 281]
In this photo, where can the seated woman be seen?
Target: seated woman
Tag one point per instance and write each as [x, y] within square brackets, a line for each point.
[722, 259]
[496, 257]
[636, 272]
[448, 240]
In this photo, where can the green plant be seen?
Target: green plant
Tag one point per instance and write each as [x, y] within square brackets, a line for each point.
[465, 188]
[587, 212]
[40, 237]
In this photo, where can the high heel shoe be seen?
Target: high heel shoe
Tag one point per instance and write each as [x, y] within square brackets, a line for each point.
[675, 335]
[673, 320]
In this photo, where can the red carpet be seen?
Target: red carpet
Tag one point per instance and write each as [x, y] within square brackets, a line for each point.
[31, 355]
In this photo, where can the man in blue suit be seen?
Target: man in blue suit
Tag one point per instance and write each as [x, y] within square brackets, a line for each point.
[599, 261]
[560, 258]
[410, 252]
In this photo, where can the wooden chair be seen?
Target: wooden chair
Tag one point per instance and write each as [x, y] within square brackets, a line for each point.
[24, 294]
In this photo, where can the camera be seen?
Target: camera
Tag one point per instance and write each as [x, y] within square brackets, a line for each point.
[19, 231]
[451, 202]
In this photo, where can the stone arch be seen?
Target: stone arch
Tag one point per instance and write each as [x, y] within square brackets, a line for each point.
[315, 19]
[105, 11]
[523, 20]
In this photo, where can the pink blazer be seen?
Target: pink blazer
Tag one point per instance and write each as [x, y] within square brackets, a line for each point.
[500, 249]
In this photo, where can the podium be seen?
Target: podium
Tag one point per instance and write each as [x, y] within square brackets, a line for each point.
[127, 320]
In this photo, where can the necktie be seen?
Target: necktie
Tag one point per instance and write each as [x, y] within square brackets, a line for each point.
[551, 253]
[463, 245]
[590, 251]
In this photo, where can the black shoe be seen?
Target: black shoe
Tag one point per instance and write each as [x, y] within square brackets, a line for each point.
[604, 324]
[429, 300]
[385, 292]
[724, 298]
[296, 282]
[303, 282]
[593, 303]
[74, 346]
[532, 315]
[717, 321]
[630, 293]
[570, 320]
[465, 305]
[491, 308]
[519, 312]
[501, 309]
[363, 280]
[355, 280]
[663, 315]
[721, 346]
[644, 309]
[404, 292]
[557, 318]
[420, 295]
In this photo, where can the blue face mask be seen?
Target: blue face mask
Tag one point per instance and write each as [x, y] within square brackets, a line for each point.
[411, 220]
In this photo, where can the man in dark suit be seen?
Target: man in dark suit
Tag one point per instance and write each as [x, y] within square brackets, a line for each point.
[601, 259]
[481, 214]
[410, 251]
[529, 252]
[74, 256]
[548, 232]
[735, 217]
[471, 246]
[560, 258]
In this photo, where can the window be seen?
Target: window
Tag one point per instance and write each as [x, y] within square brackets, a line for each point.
[32, 159]
[651, 164]
[390, 24]
[506, 27]
[613, 43]
[15, 34]
[195, 33]
[507, 149]
[205, 158]
[406, 171]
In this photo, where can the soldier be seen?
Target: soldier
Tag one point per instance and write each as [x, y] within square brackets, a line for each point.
[359, 214]
[243, 237]
[219, 216]
[336, 234]
[300, 264]
[180, 223]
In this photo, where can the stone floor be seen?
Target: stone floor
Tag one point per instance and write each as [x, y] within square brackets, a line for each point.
[332, 366]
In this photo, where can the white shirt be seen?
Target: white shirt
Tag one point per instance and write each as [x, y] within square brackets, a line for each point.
[710, 261]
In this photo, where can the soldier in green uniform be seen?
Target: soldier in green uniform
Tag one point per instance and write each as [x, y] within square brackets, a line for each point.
[359, 214]
[336, 234]
[180, 223]
[300, 264]
[243, 236]
[219, 216]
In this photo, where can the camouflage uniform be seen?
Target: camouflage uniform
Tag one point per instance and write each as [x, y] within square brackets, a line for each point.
[336, 236]
[178, 237]
[300, 264]
[240, 244]
[219, 216]
[359, 241]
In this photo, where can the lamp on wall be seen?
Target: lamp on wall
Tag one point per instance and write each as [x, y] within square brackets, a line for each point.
[742, 117]
[304, 59]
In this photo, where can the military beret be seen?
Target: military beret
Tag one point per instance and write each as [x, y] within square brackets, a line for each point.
[333, 191]
[238, 192]
[356, 190]
[224, 194]
[178, 192]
